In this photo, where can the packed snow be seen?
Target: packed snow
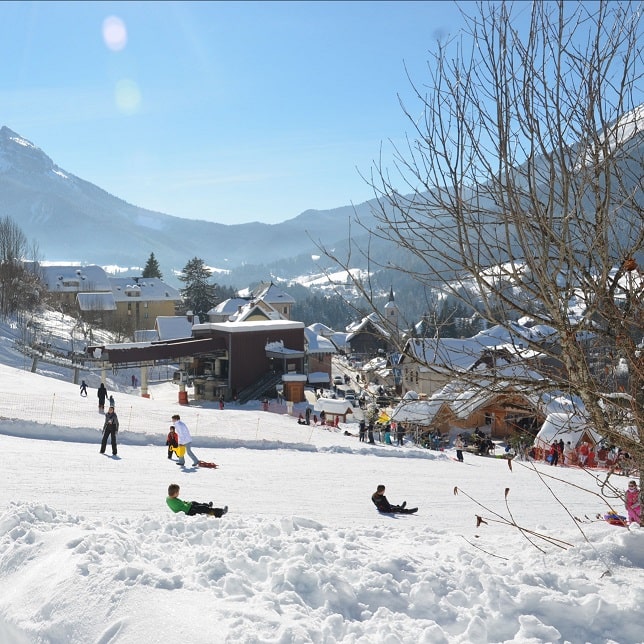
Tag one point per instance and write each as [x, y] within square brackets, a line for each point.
[89, 551]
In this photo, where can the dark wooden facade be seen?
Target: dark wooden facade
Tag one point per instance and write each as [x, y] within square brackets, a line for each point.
[248, 358]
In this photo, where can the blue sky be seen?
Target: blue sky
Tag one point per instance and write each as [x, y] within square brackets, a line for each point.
[225, 111]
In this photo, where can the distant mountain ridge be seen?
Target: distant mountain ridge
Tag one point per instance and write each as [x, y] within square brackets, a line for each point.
[74, 220]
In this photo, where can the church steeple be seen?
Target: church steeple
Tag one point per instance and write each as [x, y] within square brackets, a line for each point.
[391, 312]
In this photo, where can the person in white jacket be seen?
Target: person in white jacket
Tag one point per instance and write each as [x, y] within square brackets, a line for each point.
[185, 440]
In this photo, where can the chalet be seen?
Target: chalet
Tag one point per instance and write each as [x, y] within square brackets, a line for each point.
[377, 333]
[273, 301]
[368, 337]
[497, 406]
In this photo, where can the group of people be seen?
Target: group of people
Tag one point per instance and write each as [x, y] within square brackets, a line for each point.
[179, 442]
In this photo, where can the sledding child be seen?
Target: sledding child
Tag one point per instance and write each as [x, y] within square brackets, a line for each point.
[172, 441]
[632, 502]
[191, 507]
[382, 504]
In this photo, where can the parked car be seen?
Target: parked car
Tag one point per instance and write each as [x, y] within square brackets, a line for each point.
[338, 380]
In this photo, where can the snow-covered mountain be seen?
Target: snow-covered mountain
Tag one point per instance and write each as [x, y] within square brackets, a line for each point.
[72, 219]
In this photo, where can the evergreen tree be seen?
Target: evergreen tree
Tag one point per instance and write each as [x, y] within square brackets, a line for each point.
[199, 295]
[152, 268]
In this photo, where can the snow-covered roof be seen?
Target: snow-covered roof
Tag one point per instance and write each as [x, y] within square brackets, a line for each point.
[567, 427]
[339, 339]
[96, 301]
[243, 327]
[277, 347]
[420, 412]
[146, 335]
[463, 353]
[336, 406]
[272, 294]
[143, 289]
[250, 310]
[228, 307]
[173, 327]
[373, 319]
[63, 278]
[321, 329]
[316, 343]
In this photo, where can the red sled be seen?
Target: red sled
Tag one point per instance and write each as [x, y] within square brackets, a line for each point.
[207, 464]
[616, 519]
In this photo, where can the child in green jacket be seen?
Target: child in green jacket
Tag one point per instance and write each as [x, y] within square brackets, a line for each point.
[191, 507]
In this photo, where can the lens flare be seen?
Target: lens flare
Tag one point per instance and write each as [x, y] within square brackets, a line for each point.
[128, 96]
[114, 33]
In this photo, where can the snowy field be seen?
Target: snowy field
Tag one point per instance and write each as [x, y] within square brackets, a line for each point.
[90, 553]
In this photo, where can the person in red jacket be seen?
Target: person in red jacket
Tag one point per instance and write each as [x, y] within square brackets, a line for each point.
[191, 507]
[172, 441]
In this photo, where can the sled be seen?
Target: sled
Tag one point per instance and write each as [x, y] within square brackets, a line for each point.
[207, 464]
[180, 451]
[616, 519]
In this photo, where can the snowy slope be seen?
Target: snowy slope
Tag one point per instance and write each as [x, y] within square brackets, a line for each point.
[89, 552]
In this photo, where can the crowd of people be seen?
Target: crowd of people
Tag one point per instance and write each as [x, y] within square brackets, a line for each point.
[179, 443]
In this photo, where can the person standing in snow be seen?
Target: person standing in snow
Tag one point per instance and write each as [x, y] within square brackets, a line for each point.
[172, 441]
[110, 429]
[554, 453]
[185, 440]
[191, 507]
[102, 395]
[568, 453]
[459, 445]
[83, 389]
[400, 434]
[584, 451]
[632, 503]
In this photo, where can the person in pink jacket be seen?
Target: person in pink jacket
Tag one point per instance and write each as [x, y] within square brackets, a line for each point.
[633, 506]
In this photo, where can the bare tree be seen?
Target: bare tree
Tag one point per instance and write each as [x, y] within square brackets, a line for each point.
[20, 288]
[524, 191]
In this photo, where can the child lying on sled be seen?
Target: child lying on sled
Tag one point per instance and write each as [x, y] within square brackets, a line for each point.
[191, 507]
